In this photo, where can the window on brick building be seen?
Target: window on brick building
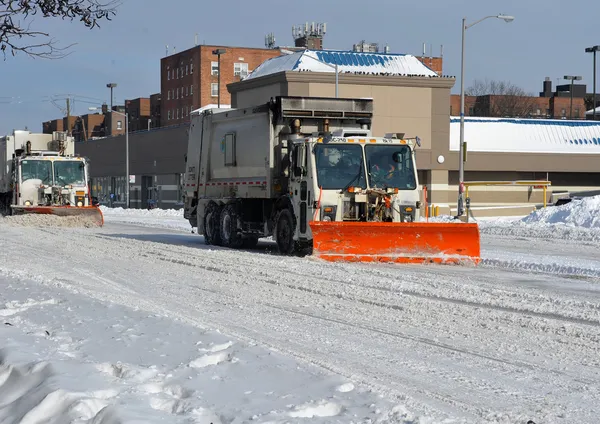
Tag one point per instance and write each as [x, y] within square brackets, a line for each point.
[168, 74]
[214, 68]
[240, 69]
[576, 114]
[191, 89]
[563, 112]
[119, 125]
[214, 89]
[177, 113]
[187, 91]
[191, 68]
[169, 115]
[168, 94]
[187, 68]
[177, 73]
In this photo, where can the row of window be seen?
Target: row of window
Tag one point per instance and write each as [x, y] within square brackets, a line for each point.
[180, 92]
[239, 69]
[174, 114]
[175, 73]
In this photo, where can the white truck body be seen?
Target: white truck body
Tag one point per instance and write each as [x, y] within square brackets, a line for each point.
[41, 170]
[310, 157]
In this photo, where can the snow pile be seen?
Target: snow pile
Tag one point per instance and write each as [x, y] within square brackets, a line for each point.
[141, 212]
[577, 221]
[580, 213]
[44, 220]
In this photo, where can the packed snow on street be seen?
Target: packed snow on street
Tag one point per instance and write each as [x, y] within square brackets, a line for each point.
[141, 322]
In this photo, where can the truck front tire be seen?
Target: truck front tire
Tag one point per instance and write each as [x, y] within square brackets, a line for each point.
[212, 233]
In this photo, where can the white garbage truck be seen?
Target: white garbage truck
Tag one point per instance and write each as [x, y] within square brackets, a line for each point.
[308, 172]
[40, 174]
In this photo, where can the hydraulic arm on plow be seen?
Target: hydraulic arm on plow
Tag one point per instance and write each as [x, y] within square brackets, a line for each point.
[308, 172]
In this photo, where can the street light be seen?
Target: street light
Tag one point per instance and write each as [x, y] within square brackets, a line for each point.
[572, 78]
[126, 115]
[461, 164]
[593, 50]
[111, 85]
[219, 52]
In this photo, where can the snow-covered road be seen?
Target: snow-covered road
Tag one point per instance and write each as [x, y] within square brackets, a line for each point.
[514, 339]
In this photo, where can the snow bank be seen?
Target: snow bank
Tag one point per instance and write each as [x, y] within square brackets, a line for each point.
[141, 212]
[580, 213]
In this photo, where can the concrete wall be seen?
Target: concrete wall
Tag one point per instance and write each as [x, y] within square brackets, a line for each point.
[157, 159]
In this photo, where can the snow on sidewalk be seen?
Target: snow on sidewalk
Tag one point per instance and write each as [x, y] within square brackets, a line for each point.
[65, 358]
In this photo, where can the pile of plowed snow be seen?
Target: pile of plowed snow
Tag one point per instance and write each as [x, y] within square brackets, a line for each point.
[43, 220]
[576, 221]
[142, 212]
[580, 213]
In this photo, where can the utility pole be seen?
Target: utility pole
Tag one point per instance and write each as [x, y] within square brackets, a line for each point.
[68, 116]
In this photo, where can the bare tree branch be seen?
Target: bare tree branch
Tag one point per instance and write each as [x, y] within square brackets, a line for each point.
[16, 33]
[502, 99]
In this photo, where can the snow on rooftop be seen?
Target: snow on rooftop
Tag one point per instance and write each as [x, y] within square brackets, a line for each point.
[527, 135]
[347, 62]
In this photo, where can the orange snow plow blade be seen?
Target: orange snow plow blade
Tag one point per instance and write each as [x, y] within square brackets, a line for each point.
[402, 242]
[91, 216]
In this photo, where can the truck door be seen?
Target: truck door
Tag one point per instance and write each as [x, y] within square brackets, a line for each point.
[301, 189]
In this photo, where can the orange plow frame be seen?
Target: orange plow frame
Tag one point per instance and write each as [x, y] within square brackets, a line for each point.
[62, 211]
[401, 242]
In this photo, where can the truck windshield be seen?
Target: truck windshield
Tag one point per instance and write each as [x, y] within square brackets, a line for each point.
[390, 167]
[69, 173]
[36, 170]
[339, 166]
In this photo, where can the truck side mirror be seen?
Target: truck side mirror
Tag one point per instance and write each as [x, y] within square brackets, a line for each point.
[300, 160]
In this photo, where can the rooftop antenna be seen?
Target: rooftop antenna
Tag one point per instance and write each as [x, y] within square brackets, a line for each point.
[167, 50]
[424, 49]
[196, 39]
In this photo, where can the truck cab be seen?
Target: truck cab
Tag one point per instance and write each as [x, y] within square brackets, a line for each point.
[349, 175]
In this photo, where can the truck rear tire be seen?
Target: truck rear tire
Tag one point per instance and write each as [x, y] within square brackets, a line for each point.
[284, 231]
[228, 225]
[212, 234]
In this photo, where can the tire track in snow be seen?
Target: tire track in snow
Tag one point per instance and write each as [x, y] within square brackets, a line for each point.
[228, 291]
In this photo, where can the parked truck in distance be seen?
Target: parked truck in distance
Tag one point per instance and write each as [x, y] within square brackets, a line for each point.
[308, 172]
[40, 174]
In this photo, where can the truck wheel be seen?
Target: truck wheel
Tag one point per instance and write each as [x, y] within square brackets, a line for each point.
[284, 232]
[212, 235]
[229, 221]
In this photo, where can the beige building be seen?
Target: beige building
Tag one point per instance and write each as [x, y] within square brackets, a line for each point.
[409, 97]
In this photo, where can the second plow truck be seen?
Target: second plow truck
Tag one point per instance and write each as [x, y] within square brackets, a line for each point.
[308, 172]
[40, 174]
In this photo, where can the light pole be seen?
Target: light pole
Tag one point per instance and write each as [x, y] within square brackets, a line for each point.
[593, 50]
[572, 78]
[461, 154]
[219, 52]
[126, 115]
[111, 85]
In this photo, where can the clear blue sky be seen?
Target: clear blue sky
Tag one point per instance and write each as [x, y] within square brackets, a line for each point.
[547, 38]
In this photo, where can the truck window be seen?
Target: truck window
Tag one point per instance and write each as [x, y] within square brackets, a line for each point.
[339, 166]
[36, 170]
[390, 167]
[69, 173]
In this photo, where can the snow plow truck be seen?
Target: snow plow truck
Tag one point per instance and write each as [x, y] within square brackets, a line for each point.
[308, 172]
[40, 174]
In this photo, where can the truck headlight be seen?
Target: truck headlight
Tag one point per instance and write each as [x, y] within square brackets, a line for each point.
[79, 204]
[27, 203]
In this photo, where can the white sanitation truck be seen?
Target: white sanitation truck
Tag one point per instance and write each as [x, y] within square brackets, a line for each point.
[308, 172]
[40, 174]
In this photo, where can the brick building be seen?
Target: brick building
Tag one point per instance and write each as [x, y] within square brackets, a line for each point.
[548, 105]
[189, 79]
[139, 113]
